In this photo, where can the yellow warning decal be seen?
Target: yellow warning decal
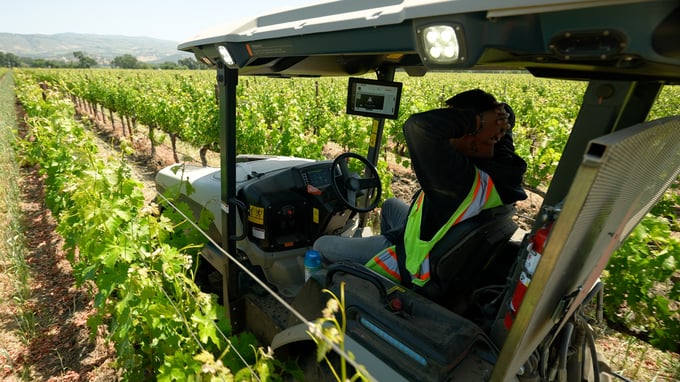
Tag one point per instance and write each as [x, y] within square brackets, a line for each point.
[256, 215]
[374, 133]
[315, 215]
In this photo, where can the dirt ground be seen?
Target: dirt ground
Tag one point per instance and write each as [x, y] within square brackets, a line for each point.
[63, 348]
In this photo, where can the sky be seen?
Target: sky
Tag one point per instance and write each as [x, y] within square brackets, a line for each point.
[174, 20]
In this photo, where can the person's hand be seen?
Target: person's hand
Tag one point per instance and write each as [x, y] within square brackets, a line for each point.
[492, 124]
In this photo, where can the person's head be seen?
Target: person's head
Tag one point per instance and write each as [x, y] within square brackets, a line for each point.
[476, 100]
[493, 119]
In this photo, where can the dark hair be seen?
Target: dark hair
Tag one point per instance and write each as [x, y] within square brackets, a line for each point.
[475, 100]
[478, 101]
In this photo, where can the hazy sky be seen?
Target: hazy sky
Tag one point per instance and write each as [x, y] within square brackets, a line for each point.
[175, 20]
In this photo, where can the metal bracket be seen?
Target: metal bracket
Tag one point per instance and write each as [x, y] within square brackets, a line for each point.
[564, 304]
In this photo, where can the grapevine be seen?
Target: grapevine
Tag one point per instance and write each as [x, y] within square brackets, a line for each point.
[139, 263]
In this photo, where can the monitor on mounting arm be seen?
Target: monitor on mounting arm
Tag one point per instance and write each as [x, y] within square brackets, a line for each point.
[373, 98]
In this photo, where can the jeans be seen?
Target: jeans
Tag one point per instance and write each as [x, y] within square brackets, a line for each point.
[333, 248]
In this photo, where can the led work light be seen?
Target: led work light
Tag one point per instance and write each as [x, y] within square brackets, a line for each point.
[442, 44]
[226, 57]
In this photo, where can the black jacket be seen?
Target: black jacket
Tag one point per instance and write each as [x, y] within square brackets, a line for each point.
[445, 175]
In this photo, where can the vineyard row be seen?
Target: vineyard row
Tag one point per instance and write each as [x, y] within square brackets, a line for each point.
[298, 116]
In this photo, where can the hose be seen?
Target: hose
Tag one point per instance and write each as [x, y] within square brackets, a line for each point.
[590, 342]
[564, 352]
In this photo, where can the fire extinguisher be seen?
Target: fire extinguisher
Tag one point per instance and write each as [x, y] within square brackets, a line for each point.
[535, 251]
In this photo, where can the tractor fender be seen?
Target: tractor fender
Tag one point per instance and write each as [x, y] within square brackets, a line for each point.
[376, 367]
[293, 334]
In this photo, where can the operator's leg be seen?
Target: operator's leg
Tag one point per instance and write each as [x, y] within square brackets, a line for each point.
[354, 249]
[361, 249]
[393, 215]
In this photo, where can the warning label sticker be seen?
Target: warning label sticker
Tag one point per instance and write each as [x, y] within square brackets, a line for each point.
[256, 215]
[258, 233]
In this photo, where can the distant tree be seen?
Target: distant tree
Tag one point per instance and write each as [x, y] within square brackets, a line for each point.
[191, 63]
[38, 63]
[4, 61]
[169, 65]
[44, 63]
[10, 60]
[126, 61]
[83, 60]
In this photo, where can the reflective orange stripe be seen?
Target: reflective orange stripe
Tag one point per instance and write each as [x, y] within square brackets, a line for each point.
[419, 201]
[489, 188]
[386, 267]
[474, 197]
[418, 259]
[424, 276]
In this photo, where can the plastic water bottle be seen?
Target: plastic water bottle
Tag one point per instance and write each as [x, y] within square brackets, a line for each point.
[312, 262]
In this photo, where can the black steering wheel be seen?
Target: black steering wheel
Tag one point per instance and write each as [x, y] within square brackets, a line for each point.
[356, 182]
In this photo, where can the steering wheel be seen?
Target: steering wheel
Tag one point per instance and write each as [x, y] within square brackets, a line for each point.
[356, 182]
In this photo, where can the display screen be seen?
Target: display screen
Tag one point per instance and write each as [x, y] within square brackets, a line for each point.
[373, 98]
[318, 178]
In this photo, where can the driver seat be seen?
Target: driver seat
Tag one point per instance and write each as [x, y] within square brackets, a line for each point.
[462, 260]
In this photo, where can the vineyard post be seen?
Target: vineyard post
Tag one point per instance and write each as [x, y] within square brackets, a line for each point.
[151, 139]
[130, 126]
[203, 152]
[122, 122]
[173, 143]
[113, 121]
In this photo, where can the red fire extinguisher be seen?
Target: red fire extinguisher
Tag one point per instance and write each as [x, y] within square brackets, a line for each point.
[535, 251]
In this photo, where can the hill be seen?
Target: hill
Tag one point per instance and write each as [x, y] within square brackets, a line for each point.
[102, 48]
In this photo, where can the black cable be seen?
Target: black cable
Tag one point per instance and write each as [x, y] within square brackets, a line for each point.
[590, 342]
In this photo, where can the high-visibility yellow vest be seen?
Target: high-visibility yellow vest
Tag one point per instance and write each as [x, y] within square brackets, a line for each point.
[482, 195]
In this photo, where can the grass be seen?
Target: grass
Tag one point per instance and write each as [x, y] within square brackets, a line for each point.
[15, 284]
[636, 359]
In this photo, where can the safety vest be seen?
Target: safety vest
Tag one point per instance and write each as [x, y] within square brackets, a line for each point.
[482, 195]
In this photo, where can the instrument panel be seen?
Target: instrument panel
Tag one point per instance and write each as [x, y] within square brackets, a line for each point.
[317, 177]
